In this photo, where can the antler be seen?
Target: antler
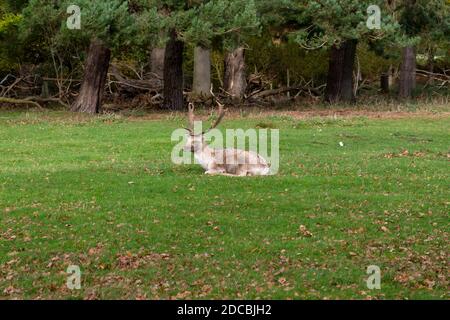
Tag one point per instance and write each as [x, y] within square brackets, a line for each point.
[221, 111]
[191, 117]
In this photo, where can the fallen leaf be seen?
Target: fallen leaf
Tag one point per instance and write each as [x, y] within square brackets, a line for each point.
[305, 232]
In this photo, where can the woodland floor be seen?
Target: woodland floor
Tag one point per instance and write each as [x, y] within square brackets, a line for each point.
[102, 193]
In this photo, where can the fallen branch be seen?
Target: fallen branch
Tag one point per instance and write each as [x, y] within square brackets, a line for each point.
[152, 85]
[437, 76]
[40, 99]
[54, 79]
[6, 78]
[9, 88]
[20, 101]
[273, 92]
[431, 76]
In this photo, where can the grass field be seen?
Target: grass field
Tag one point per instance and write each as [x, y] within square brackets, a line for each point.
[103, 194]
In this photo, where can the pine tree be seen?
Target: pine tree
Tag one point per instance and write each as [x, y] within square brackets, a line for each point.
[244, 22]
[201, 23]
[174, 14]
[228, 23]
[106, 28]
[10, 19]
[420, 20]
[107, 25]
[339, 25]
[334, 25]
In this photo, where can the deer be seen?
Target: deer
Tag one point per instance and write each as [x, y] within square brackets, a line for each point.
[225, 162]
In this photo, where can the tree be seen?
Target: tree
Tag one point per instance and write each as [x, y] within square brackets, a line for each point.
[339, 25]
[200, 33]
[333, 25]
[174, 13]
[9, 22]
[157, 61]
[420, 20]
[89, 99]
[200, 23]
[107, 27]
[227, 23]
[173, 73]
[407, 81]
[202, 71]
[235, 78]
[340, 72]
[151, 35]
[243, 21]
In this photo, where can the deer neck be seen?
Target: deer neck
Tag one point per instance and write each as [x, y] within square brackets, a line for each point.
[205, 150]
[204, 155]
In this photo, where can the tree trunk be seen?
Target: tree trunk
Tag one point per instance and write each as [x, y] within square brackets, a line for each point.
[430, 64]
[202, 72]
[173, 74]
[384, 83]
[45, 91]
[95, 72]
[157, 62]
[340, 73]
[235, 79]
[407, 73]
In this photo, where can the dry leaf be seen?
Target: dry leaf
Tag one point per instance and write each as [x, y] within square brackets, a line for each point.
[304, 232]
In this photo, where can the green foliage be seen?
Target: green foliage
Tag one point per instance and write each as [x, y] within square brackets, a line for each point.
[146, 34]
[207, 22]
[426, 17]
[127, 31]
[9, 52]
[425, 21]
[305, 64]
[109, 21]
[372, 64]
[14, 6]
[231, 21]
[278, 59]
[41, 41]
[333, 21]
[8, 21]
[277, 15]
[42, 21]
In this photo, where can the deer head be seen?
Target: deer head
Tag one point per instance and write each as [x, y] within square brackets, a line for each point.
[195, 141]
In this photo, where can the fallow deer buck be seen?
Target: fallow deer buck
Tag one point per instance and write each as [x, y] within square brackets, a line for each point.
[227, 162]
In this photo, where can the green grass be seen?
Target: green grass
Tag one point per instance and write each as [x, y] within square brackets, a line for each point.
[103, 194]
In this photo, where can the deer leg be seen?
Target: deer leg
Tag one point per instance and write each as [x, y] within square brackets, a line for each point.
[242, 171]
[213, 168]
[213, 172]
[225, 174]
[220, 172]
